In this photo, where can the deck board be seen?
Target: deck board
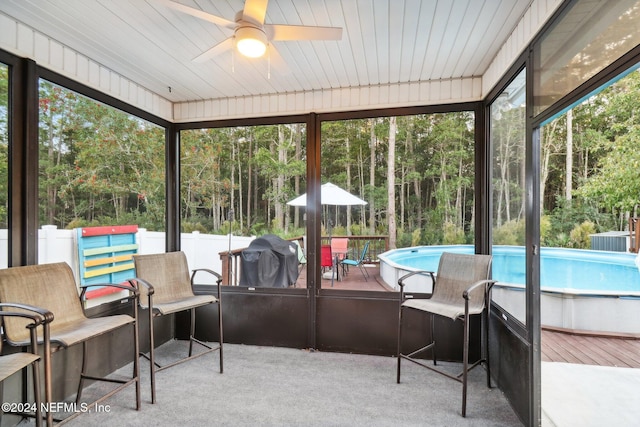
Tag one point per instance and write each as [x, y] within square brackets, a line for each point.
[556, 346]
[590, 350]
[353, 280]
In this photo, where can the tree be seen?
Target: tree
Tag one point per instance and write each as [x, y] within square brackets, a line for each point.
[620, 166]
[391, 183]
[4, 144]
[278, 164]
[373, 142]
[569, 157]
[115, 163]
[507, 136]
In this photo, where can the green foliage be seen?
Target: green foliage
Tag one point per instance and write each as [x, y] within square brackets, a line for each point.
[339, 230]
[357, 229]
[452, 235]
[190, 227]
[4, 143]
[615, 183]
[415, 237]
[404, 238]
[579, 236]
[130, 218]
[510, 233]
[545, 229]
[275, 223]
[513, 232]
[258, 229]
[568, 215]
[79, 223]
[100, 166]
[293, 233]
[432, 231]
[560, 240]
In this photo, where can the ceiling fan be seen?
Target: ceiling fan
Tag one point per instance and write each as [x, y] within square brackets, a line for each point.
[251, 36]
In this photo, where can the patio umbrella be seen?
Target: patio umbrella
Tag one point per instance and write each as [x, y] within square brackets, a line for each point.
[330, 194]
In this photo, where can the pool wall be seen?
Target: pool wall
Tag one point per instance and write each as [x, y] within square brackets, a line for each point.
[590, 310]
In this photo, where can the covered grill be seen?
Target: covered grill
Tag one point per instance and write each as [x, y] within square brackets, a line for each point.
[269, 261]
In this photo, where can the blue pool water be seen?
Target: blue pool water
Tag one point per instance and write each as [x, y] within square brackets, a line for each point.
[560, 268]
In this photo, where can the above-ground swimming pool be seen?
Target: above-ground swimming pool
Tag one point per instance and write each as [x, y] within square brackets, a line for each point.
[581, 289]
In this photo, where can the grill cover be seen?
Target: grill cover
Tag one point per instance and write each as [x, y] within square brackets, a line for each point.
[269, 261]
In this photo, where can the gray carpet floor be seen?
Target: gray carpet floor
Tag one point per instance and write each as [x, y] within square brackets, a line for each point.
[270, 386]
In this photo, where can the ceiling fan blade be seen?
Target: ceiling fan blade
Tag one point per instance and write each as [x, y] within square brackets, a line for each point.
[216, 50]
[200, 14]
[277, 61]
[302, 32]
[254, 11]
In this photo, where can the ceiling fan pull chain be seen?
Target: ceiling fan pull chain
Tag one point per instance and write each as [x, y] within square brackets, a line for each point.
[269, 65]
[233, 62]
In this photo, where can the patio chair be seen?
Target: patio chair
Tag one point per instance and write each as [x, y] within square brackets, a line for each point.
[327, 261]
[461, 289]
[302, 258]
[12, 363]
[360, 261]
[339, 249]
[167, 289]
[53, 287]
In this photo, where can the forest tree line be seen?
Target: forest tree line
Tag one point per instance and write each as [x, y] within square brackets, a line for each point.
[100, 166]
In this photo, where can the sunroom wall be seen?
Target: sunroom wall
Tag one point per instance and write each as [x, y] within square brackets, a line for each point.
[539, 12]
[380, 96]
[24, 41]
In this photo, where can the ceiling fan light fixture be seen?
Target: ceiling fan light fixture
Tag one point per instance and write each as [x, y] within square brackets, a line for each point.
[251, 41]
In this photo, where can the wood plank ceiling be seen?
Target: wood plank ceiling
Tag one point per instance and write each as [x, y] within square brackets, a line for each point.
[383, 42]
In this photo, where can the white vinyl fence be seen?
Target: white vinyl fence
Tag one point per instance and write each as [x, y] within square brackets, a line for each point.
[202, 250]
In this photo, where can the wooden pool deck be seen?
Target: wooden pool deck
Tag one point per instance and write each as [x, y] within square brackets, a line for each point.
[353, 280]
[556, 346]
[590, 349]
